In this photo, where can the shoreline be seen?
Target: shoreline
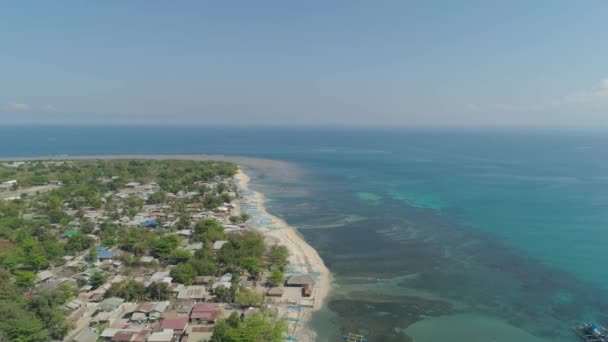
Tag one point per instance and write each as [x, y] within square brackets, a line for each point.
[304, 258]
[301, 254]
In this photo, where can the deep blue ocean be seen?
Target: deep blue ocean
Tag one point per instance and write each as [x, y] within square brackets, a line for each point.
[432, 235]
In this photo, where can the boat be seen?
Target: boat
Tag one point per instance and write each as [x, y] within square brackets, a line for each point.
[351, 337]
[591, 332]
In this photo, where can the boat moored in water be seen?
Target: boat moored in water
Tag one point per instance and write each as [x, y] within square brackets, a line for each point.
[591, 332]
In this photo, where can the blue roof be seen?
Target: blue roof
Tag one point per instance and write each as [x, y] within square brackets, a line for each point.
[149, 223]
[104, 253]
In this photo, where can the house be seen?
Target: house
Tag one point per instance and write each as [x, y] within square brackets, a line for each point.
[276, 291]
[109, 333]
[226, 284]
[204, 313]
[146, 259]
[85, 335]
[307, 290]
[123, 336]
[159, 276]
[233, 229]
[225, 281]
[8, 184]
[175, 288]
[73, 305]
[149, 311]
[178, 324]
[131, 336]
[110, 304]
[184, 306]
[246, 284]
[162, 336]
[95, 238]
[70, 233]
[104, 253]
[186, 233]
[151, 223]
[43, 276]
[55, 182]
[193, 247]
[202, 280]
[195, 292]
[300, 280]
[217, 245]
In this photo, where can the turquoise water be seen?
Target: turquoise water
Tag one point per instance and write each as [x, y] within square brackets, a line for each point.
[483, 236]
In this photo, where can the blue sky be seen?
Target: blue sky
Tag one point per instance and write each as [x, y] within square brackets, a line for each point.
[426, 63]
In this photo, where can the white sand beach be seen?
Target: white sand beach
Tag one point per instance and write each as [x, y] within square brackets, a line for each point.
[301, 254]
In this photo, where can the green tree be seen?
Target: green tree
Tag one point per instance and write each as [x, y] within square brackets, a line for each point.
[8, 290]
[247, 297]
[158, 197]
[67, 290]
[130, 290]
[180, 256]
[277, 257]
[183, 273]
[204, 267]
[203, 226]
[259, 327]
[93, 254]
[163, 247]
[109, 241]
[158, 291]
[184, 221]
[276, 277]
[97, 279]
[222, 294]
[37, 261]
[26, 328]
[251, 265]
[79, 243]
[87, 226]
[24, 278]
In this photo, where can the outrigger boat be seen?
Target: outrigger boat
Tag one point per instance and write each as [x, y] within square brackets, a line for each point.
[591, 332]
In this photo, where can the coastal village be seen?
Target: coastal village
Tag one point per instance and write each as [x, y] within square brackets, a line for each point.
[146, 251]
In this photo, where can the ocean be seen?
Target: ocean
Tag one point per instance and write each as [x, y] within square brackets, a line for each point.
[431, 235]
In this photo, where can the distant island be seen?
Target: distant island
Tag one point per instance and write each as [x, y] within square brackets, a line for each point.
[146, 250]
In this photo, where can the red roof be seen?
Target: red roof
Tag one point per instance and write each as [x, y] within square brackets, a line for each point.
[204, 307]
[175, 323]
[123, 336]
[203, 316]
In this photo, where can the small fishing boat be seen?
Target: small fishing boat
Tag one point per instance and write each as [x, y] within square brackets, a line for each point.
[591, 332]
[351, 337]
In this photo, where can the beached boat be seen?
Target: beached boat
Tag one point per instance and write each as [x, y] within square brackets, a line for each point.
[591, 332]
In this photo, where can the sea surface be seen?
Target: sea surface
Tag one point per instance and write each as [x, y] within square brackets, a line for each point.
[431, 235]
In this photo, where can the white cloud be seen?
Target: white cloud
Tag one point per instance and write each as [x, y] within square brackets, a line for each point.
[18, 106]
[50, 108]
[595, 96]
[598, 92]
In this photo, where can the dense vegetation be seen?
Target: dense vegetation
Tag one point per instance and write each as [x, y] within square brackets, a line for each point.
[259, 327]
[32, 231]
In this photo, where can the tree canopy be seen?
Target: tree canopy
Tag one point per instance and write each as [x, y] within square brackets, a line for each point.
[259, 327]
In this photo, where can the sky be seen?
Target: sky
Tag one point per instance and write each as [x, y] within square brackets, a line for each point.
[305, 63]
